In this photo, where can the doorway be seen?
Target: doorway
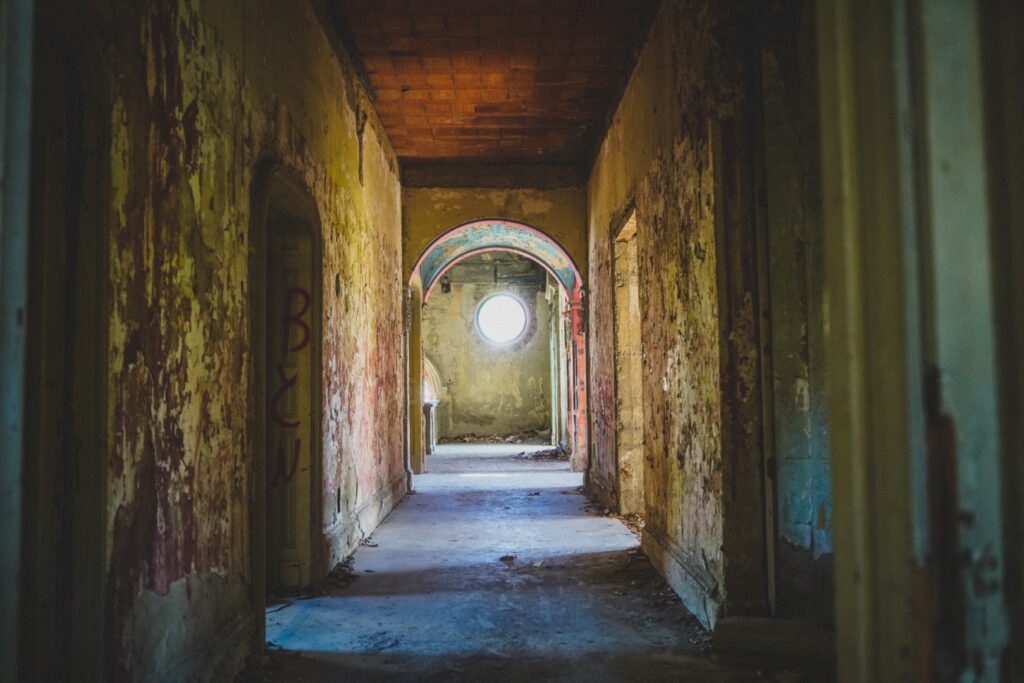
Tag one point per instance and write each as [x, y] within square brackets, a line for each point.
[629, 408]
[490, 332]
[287, 362]
[64, 507]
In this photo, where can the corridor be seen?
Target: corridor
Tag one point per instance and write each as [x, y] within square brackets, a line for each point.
[496, 569]
[512, 340]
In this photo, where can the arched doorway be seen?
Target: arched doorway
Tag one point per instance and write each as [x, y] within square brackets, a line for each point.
[483, 236]
[286, 281]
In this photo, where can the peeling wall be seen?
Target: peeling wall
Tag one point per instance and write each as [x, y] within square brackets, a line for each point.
[796, 284]
[685, 110]
[657, 155]
[629, 405]
[199, 94]
[487, 389]
[686, 149]
[558, 210]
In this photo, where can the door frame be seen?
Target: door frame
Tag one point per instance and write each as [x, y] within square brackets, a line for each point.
[275, 188]
[16, 23]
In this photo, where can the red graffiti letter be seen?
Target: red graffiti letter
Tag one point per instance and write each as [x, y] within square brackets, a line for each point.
[284, 472]
[289, 382]
[291, 318]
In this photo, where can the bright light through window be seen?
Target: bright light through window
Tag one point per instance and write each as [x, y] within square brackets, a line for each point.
[501, 318]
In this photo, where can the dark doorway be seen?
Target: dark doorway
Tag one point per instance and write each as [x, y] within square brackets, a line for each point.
[287, 387]
[64, 461]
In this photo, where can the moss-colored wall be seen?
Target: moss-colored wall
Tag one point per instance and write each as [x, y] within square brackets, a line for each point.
[679, 150]
[199, 94]
[689, 147]
[487, 389]
[657, 155]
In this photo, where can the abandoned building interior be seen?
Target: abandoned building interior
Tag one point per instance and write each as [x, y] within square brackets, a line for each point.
[647, 340]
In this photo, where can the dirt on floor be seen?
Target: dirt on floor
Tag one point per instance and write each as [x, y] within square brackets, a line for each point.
[499, 569]
[533, 437]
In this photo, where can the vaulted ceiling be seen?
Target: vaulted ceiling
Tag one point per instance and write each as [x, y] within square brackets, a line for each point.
[494, 80]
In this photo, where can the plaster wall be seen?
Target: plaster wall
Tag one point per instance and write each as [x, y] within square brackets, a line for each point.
[486, 389]
[714, 145]
[656, 156]
[197, 94]
[697, 291]
[796, 287]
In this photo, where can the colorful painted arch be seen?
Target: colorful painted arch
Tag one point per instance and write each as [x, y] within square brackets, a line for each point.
[497, 235]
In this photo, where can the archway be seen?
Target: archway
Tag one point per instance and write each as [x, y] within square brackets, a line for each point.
[502, 235]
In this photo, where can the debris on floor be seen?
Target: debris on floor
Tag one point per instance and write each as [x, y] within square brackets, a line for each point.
[340, 577]
[476, 583]
[532, 436]
[556, 453]
[634, 523]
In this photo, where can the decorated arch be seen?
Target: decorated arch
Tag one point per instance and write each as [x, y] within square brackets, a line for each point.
[486, 235]
[496, 234]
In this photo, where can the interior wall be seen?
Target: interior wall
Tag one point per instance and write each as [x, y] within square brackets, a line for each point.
[687, 149]
[436, 199]
[795, 280]
[16, 34]
[488, 390]
[657, 155]
[199, 94]
[1003, 51]
[629, 406]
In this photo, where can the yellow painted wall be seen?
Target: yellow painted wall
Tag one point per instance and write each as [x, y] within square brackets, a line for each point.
[192, 97]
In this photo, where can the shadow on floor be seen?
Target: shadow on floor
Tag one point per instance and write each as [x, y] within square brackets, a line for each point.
[652, 667]
[496, 571]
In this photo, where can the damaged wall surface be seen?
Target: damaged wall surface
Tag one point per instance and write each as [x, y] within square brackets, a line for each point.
[199, 95]
[796, 284]
[551, 203]
[684, 157]
[650, 159]
[486, 389]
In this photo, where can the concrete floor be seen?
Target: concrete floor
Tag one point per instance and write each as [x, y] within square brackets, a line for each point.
[494, 570]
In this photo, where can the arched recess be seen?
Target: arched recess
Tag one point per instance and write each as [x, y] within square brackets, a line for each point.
[286, 285]
[498, 234]
[431, 381]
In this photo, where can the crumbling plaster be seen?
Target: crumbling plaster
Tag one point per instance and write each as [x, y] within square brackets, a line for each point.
[658, 157]
[201, 94]
[688, 158]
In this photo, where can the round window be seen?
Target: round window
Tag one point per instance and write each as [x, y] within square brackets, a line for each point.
[501, 318]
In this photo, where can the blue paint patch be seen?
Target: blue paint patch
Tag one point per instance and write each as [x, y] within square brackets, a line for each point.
[497, 236]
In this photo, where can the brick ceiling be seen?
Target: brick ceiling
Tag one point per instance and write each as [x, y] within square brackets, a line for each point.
[494, 80]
